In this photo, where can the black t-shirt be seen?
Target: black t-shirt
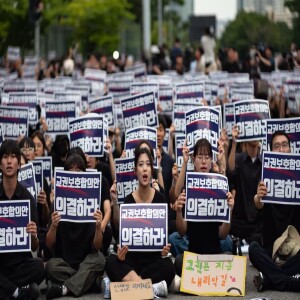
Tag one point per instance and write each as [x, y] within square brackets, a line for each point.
[74, 241]
[204, 237]
[141, 259]
[10, 261]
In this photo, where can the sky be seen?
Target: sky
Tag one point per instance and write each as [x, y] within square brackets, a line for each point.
[223, 9]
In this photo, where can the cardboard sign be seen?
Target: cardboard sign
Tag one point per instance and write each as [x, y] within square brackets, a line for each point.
[280, 173]
[14, 217]
[213, 275]
[132, 290]
[27, 178]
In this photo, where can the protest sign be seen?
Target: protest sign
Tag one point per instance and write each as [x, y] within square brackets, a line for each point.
[166, 99]
[139, 110]
[166, 143]
[47, 166]
[14, 217]
[202, 122]
[58, 116]
[228, 118]
[213, 275]
[139, 70]
[179, 110]
[14, 121]
[13, 53]
[211, 92]
[143, 87]
[125, 177]
[249, 117]
[162, 80]
[290, 126]
[103, 106]
[27, 100]
[27, 178]
[132, 290]
[39, 176]
[135, 135]
[84, 90]
[144, 227]
[280, 174]
[77, 195]
[191, 92]
[206, 199]
[89, 132]
[179, 141]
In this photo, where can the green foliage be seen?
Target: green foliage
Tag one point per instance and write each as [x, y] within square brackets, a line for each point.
[15, 29]
[294, 7]
[97, 23]
[255, 29]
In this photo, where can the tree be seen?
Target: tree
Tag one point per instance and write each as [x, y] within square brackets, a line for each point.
[294, 7]
[15, 29]
[96, 23]
[255, 29]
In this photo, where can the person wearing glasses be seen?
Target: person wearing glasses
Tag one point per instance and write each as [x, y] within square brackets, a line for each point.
[277, 217]
[211, 232]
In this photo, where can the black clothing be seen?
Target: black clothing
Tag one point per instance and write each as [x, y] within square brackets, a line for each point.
[19, 268]
[232, 67]
[246, 218]
[146, 264]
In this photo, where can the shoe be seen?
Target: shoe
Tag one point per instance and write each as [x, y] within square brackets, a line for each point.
[175, 286]
[160, 289]
[259, 282]
[106, 294]
[54, 290]
[296, 276]
[30, 291]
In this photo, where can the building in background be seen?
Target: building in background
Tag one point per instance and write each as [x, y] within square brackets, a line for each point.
[274, 9]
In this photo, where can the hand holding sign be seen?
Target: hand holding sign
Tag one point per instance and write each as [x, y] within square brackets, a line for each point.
[166, 250]
[121, 252]
[98, 216]
[235, 133]
[181, 201]
[31, 228]
[55, 217]
[230, 201]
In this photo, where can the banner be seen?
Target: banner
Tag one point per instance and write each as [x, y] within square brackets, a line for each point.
[206, 199]
[58, 116]
[144, 227]
[14, 121]
[89, 133]
[139, 110]
[249, 117]
[125, 177]
[14, 217]
[281, 175]
[77, 195]
[202, 122]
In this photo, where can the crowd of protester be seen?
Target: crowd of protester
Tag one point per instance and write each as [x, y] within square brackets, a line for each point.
[77, 256]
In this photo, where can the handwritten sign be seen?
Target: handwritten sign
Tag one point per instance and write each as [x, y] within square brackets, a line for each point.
[132, 290]
[213, 275]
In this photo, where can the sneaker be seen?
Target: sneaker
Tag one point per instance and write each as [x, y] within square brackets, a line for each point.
[106, 294]
[175, 286]
[30, 291]
[54, 290]
[160, 289]
[259, 282]
[296, 276]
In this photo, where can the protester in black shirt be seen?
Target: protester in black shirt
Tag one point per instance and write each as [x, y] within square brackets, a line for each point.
[20, 273]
